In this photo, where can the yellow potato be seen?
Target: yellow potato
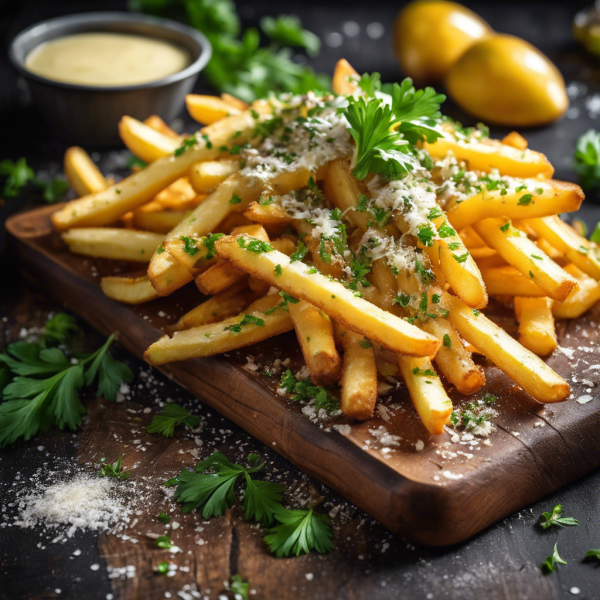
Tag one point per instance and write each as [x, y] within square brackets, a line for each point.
[505, 80]
[430, 36]
[144, 141]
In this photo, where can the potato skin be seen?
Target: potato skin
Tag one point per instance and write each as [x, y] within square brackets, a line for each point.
[507, 81]
[430, 36]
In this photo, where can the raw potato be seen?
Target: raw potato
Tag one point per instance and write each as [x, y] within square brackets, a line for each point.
[330, 296]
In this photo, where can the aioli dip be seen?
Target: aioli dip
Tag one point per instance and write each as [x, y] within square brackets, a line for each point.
[107, 59]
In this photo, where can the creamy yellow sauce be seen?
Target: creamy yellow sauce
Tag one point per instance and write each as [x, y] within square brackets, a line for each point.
[107, 59]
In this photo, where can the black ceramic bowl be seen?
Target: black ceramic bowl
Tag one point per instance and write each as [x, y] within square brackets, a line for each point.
[89, 113]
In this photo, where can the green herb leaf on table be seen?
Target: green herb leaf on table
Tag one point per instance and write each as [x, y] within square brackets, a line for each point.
[58, 329]
[164, 518]
[299, 532]
[44, 390]
[304, 390]
[115, 470]
[210, 487]
[164, 542]
[587, 159]
[551, 563]
[555, 518]
[16, 176]
[240, 587]
[170, 416]
[262, 499]
[593, 554]
[53, 190]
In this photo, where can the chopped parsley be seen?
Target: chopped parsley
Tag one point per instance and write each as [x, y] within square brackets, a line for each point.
[169, 417]
[235, 199]
[551, 563]
[447, 341]
[254, 245]
[209, 243]
[278, 270]
[300, 252]
[555, 518]
[189, 246]
[115, 470]
[188, 143]
[305, 391]
[246, 320]
[402, 300]
[462, 257]
[446, 230]
[426, 235]
[525, 200]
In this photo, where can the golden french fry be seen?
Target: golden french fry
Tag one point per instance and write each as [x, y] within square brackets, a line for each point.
[205, 177]
[453, 360]
[457, 265]
[128, 289]
[107, 206]
[267, 214]
[426, 392]
[386, 283]
[208, 109]
[233, 101]
[180, 195]
[230, 302]
[258, 286]
[516, 140]
[249, 327]
[159, 221]
[523, 254]
[359, 376]
[82, 173]
[470, 239]
[577, 249]
[218, 278]
[284, 244]
[507, 281]
[536, 324]
[168, 272]
[520, 364]
[331, 297]
[315, 334]
[159, 125]
[111, 242]
[344, 78]
[145, 142]
[542, 198]
[581, 300]
[486, 154]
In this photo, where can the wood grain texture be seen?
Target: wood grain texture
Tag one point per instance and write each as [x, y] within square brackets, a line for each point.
[535, 450]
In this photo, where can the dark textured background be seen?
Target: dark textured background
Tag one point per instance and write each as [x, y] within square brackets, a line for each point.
[501, 562]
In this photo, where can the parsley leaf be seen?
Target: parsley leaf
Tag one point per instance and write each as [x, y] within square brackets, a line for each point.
[592, 554]
[254, 245]
[262, 499]
[552, 562]
[209, 243]
[305, 391]
[189, 246]
[299, 532]
[44, 391]
[16, 176]
[525, 200]
[555, 518]
[386, 134]
[287, 30]
[240, 587]
[57, 329]
[170, 416]
[587, 159]
[188, 143]
[426, 235]
[300, 252]
[164, 542]
[115, 470]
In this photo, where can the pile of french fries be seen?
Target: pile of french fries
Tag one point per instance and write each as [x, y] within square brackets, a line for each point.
[193, 215]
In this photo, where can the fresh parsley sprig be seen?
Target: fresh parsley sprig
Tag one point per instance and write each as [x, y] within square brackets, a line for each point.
[240, 587]
[555, 518]
[587, 159]
[211, 489]
[18, 174]
[45, 382]
[115, 470]
[170, 417]
[386, 133]
[305, 390]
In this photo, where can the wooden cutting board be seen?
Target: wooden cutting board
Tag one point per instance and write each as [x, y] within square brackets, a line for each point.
[431, 490]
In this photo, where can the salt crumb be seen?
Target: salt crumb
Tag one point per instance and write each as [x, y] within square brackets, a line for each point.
[309, 576]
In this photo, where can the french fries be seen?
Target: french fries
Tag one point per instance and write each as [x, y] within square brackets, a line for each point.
[315, 334]
[547, 197]
[118, 244]
[520, 364]
[520, 252]
[330, 296]
[254, 325]
[381, 276]
[536, 324]
[427, 392]
[359, 376]
[82, 173]
[129, 289]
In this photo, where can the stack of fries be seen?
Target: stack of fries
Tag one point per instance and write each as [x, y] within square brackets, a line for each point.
[261, 210]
